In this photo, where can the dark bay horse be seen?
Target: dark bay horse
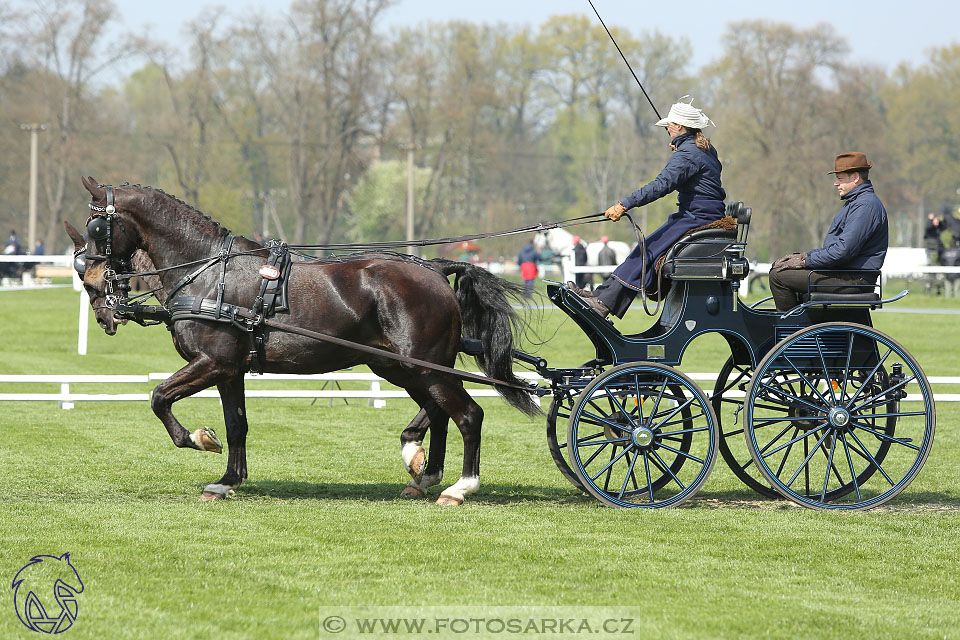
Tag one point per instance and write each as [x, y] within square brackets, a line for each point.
[395, 303]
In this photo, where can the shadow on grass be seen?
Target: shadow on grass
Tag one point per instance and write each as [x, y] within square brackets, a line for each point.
[746, 499]
[381, 492]
[503, 494]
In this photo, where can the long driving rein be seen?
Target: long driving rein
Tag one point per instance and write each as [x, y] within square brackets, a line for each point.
[117, 274]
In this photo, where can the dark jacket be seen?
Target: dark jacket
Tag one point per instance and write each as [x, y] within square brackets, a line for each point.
[858, 237]
[693, 173]
[528, 254]
[607, 256]
[579, 254]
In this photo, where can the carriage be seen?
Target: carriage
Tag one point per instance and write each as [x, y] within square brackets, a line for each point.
[814, 405]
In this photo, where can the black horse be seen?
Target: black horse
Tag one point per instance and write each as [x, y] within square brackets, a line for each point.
[394, 303]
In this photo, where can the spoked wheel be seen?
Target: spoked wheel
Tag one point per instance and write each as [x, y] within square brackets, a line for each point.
[728, 403]
[642, 435]
[839, 416]
[560, 410]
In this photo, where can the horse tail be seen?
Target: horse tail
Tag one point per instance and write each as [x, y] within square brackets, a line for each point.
[488, 315]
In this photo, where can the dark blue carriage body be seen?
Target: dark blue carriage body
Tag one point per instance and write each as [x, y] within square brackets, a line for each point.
[703, 272]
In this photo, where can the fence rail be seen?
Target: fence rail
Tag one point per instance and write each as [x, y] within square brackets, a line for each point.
[375, 395]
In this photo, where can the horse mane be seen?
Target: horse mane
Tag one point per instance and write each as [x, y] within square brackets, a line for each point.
[189, 207]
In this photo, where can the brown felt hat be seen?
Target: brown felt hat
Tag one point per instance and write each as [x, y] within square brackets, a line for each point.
[851, 161]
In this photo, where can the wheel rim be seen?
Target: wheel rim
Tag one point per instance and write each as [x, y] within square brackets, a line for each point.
[728, 404]
[642, 435]
[560, 410]
[839, 416]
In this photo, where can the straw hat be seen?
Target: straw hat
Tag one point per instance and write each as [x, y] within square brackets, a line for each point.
[684, 113]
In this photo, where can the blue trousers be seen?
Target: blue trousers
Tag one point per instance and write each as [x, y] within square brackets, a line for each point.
[620, 288]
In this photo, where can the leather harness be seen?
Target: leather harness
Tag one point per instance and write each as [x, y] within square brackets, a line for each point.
[272, 297]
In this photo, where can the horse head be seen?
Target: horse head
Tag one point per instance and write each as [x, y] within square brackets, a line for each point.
[106, 250]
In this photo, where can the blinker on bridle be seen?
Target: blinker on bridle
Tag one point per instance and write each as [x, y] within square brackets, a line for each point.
[100, 232]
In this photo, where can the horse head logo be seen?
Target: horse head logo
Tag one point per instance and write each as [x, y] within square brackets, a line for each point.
[43, 585]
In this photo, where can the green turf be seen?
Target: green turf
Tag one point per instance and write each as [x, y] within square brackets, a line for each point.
[319, 525]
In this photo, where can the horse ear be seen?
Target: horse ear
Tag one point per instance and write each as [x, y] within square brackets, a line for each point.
[74, 234]
[92, 186]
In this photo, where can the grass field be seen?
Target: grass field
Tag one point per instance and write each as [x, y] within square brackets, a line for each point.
[319, 528]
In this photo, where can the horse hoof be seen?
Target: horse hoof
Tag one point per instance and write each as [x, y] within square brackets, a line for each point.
[449, 501]
[206, 438]
[412, 492]
[216, 492]
[417, 465]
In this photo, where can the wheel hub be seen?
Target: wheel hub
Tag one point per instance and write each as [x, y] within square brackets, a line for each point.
[643, 437]
[839, 417]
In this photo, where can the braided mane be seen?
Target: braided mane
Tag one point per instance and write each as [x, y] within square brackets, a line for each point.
[189, 207]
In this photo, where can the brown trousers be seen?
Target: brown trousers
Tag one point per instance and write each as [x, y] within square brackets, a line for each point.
[787, 285]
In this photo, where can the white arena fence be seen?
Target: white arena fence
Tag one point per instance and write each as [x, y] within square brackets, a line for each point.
[375, 395]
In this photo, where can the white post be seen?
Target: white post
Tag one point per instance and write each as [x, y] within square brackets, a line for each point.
[566, 262]
[376, 403]
[65, 390]
[83, 323]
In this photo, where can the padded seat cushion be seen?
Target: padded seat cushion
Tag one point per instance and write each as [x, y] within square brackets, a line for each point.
[843, 297]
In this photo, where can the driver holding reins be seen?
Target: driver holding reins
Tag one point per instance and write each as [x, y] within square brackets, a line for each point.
[693, 171]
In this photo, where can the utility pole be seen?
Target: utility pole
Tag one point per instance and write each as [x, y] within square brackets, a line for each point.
[410, 248]
[34, 129]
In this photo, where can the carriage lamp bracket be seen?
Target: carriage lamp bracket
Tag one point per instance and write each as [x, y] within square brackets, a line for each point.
[897, 378]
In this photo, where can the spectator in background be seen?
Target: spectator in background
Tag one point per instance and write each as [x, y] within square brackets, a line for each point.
[579, 260]
[39, 249]
[607, 256]
[12, 248]
[931, 237]
[528, 259]
[951, 223]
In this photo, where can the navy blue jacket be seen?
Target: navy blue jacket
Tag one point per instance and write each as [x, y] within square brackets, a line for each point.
[528, 254]
[693, 173]
[858, 237]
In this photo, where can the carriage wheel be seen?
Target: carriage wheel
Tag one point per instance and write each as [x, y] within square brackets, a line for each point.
[560, 410]
[642, 435]
[839, 416]
[728, 400]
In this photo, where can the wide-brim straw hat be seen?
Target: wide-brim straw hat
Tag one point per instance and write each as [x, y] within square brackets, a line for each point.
[684, 113]
[851, 161]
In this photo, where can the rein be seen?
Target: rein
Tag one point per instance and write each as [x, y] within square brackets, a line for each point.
[399, 244]
[465, 375]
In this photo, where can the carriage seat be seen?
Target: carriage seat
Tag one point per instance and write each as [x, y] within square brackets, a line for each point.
[840, 298]
[711, 253]
[860, 294]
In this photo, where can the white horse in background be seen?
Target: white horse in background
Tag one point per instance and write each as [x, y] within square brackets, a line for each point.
[560, 242]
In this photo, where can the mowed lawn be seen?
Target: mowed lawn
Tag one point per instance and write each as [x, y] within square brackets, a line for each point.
[320, 528]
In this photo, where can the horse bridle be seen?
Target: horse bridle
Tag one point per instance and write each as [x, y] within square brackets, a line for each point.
[100, 231]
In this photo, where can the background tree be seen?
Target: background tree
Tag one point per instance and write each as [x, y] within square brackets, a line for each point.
[63, 52]
[923, 126]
